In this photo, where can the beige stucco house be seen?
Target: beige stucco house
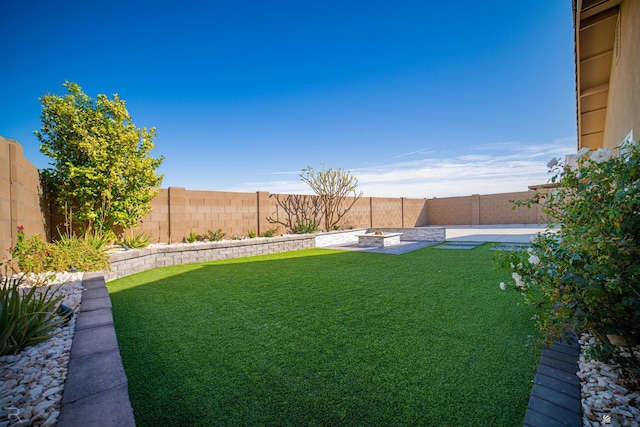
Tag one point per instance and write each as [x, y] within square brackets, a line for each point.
[607, 55]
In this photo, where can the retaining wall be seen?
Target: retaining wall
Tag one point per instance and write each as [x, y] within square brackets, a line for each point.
[416, 234]
[135, 261]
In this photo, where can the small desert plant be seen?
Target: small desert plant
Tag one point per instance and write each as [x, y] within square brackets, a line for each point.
[192, 237]
[252, 234]
[137, 241]
[215, 236]
[98, 239]
[27, 316]
[307, 227]
[236, 237]
[271, 232]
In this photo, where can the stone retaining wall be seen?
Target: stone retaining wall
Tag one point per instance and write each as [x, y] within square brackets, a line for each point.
[417, 234]
[135, 261]
[341, 237]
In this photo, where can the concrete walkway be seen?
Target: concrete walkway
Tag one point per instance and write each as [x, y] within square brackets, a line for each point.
[511, 233]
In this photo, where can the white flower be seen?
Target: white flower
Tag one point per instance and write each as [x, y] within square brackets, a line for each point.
[518, 279]
[533, 259]
[552, 163]
[601, 155]
[582, 152]
[503, 286]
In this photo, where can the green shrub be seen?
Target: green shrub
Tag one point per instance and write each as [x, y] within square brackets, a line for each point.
[34, 255]
[27, 316]
[215, 236]
[82, 255]
[271, 232]
[307, 227]
[585, 275]
[191, 238]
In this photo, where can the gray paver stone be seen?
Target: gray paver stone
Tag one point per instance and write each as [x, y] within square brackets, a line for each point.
[107, 409]
[94, 340]
[95, 303]
[93, 373]
[94, 318]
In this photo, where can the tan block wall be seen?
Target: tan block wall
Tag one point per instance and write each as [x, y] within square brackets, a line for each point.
[359, 216]
[498, 209]
[486, 209]
[386, 212]
[414, 212]
[156, 224]
[449, 211]
[176, 212]
[623, 105]
[20, 196]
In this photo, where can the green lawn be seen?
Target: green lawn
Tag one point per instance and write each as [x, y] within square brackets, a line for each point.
[331, 338]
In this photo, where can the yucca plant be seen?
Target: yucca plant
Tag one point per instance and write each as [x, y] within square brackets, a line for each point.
[27, 317]
[98, 239]
[135, 241]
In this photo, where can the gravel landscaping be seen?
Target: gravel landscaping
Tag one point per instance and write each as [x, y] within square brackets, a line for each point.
[32, 381]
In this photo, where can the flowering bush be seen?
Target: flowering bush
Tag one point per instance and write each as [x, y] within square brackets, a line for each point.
[586, 275]
[36, 256]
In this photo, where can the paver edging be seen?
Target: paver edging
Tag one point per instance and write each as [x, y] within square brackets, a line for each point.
[555, 395]
[95, 391]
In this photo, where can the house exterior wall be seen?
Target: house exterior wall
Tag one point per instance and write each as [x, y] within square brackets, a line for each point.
[623, 105]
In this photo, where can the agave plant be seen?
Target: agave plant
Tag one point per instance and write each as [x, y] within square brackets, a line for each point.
[28, 316]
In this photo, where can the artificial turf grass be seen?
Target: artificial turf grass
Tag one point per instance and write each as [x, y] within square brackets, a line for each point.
[320, 337]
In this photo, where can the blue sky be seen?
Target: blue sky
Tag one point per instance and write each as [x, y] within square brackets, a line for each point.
[415, 98]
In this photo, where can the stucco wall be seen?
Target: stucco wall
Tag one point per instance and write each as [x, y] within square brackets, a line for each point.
[623, 106]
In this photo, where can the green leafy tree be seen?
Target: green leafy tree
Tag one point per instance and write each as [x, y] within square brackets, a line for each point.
[103, 174]
[336, 189]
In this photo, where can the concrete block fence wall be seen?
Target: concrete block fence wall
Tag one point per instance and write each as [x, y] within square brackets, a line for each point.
[177, 211]
[20, 195]
[485, 209]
